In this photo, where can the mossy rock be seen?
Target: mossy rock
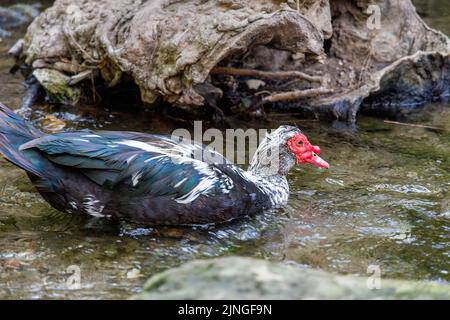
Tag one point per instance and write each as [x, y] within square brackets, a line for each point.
[56, 86]
[248, 278]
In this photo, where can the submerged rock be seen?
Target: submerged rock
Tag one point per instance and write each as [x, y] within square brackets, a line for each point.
[247, 278]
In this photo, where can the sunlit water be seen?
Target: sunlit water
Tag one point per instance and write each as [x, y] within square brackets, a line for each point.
[385, 201]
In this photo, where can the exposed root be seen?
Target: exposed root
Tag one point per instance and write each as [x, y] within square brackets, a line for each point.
[88, 74]
[167, 48]
[63, 66]
[296, 95]
[265, 74]
[17, 49]
[365, 67]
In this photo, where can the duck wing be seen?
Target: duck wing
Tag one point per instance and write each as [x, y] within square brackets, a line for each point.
[136, 163]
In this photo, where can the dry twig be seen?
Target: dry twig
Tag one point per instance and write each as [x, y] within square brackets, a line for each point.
[414, 125]
[295, 95]
[265, 74]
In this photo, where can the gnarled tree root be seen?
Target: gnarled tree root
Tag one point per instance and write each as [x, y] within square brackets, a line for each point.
[170, 49]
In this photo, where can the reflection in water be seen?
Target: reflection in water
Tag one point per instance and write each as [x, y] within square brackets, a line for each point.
[384, 201]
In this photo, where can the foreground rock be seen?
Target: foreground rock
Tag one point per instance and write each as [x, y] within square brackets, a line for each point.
[245, 278]
[332, 55]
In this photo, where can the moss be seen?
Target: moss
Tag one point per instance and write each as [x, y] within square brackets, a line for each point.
[56, 86]
[156, 282]
[244, 278]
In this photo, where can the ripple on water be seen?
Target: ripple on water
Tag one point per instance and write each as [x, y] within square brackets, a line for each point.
[428, 208]
[335, 182]
[409, 188]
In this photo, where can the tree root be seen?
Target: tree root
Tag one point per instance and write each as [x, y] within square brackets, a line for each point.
[168, 48]
[265, 74]
[17, 49]
[87, 74]
[296, 95]
[278, 97]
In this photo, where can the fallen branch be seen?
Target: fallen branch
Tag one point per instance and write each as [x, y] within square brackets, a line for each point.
[414, 125]
[265, 74]
[295, 95]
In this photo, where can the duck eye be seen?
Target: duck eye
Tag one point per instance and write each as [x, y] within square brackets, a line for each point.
[299, 142]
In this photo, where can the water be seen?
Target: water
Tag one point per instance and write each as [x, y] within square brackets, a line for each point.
[385, 201]
[435, 12]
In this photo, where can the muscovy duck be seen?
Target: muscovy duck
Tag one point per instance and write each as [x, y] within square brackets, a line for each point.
[151, 179]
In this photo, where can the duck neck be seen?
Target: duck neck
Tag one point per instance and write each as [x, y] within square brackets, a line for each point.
[269, 167]
[274, 186]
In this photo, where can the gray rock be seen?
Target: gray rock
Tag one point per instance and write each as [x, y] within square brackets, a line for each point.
[247, 278]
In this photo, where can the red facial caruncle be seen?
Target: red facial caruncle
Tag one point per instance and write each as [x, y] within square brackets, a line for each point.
[305, 152]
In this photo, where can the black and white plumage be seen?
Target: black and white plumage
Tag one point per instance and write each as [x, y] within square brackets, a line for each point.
[147, 179]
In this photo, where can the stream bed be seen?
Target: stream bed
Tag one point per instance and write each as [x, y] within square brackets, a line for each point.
[385, 201]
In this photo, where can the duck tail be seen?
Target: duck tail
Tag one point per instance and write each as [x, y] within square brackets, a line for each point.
[15, 131]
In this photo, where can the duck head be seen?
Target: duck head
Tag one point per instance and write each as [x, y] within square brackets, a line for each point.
[282, 149]
[305, 152]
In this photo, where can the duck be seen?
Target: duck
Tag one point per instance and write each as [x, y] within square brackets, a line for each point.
[151, 179]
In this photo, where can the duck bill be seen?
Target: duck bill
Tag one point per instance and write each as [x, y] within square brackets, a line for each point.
[318, 162]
